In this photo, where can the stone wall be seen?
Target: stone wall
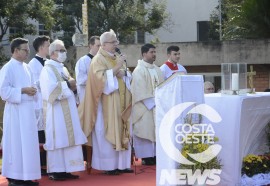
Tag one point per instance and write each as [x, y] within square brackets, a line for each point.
[204, 53]
[206, 57]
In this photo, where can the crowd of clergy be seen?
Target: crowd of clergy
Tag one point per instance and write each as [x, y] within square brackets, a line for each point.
[107, 108]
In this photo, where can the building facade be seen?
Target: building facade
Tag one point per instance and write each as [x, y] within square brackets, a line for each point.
[189, 21]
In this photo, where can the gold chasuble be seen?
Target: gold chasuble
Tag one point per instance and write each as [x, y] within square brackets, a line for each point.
[114, 105]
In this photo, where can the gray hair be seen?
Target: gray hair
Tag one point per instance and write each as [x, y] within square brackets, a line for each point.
[208, 85]
[53, 45]
[106, 36]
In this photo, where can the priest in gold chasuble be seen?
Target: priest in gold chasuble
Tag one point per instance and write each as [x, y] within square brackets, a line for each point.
[104, 112]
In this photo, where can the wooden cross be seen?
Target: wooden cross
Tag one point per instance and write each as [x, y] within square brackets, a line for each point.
[250, 79]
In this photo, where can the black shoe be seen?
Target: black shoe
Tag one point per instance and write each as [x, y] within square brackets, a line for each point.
[126, 171]
[148, 161]
[44, 172]
[29, 182]
[154, 160]
[70, 176]
[16, 184]
[56, 176]
[13, 182]
[112, 172]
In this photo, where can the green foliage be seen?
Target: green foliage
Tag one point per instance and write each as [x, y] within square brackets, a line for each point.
[126, 16]
[16, 13]
[214, 27]
[3, 58]
[123, 16]
[255, 18]
[256, 164]
[194, 144]
[245, 19]
[68, 17]
[195, 148]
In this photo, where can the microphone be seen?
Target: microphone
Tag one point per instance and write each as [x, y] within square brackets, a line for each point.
[119, 52]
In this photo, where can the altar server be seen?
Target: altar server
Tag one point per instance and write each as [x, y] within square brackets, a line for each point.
[83, 64]
[172, 64]
[21, 162]
[41, 45]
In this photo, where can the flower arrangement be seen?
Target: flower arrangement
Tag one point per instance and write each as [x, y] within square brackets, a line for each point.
[255, 164]
[268, 135]
[196, 148]
[199, 143]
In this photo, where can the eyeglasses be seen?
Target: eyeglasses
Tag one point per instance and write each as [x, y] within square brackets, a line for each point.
[25, 49]
[210, 89]
[113, 42]
[61, 51]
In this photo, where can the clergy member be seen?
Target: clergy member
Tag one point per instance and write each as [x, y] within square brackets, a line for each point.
[146, 77]
[83, 64]
[209, 87]
[20, 161]
[41, 45]
[64, 135]
[171, 65]
[102, 115]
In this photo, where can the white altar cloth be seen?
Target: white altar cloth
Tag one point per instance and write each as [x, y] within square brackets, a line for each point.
[241, 130]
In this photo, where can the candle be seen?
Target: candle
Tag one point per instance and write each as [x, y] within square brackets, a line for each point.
[235, 85]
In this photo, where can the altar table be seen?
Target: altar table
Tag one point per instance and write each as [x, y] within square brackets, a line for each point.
[241, 131]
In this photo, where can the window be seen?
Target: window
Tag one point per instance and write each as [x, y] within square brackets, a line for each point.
[42, 30]
[14, 30]
[140, 37]
[203, 30]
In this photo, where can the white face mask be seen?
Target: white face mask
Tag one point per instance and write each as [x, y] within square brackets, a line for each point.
[62, 56]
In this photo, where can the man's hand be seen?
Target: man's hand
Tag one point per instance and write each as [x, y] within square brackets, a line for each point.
[119, 64]
[30, 91]
[122, 59]
[72, 83]
[121, 73]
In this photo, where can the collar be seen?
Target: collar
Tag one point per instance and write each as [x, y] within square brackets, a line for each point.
[54, 63]
[13, 60]
[106, 53]
[40, 59]
[171, 65]
[144, 63]
[90, 55]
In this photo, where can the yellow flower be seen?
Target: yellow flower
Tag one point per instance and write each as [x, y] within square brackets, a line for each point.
[216, 139]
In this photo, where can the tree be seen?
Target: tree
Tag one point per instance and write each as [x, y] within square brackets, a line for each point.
[123, 16]
[126, 16]
[226, 6]
[68, 18]
[253, 20]
[214, 26]
[245, 19]
[16, 13]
